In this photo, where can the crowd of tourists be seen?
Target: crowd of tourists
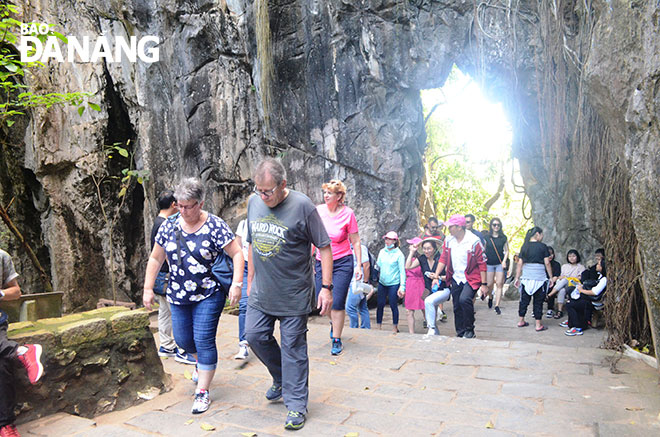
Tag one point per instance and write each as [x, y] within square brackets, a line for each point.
[288, 251]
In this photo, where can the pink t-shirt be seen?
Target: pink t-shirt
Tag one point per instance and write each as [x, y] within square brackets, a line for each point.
[338, 228]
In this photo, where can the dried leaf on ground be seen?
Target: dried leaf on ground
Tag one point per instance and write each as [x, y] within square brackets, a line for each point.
[490, 425]
[188, 422]
[207, 427]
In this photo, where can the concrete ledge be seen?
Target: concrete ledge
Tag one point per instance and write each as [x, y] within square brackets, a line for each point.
[83, 331]
[128, 320]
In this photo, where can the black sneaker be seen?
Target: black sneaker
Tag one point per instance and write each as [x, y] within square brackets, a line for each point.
[469, 334]
[498, 311]
[274, 393]
[490, 302]
[294, 420]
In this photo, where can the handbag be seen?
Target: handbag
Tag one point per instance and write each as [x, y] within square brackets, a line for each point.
[222, 269]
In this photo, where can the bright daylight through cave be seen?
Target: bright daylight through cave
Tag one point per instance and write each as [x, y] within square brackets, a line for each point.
[468, 158]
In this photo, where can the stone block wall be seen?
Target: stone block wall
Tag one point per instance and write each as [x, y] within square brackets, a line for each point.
[95, 362]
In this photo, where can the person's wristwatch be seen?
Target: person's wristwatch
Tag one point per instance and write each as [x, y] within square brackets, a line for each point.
[329, 287]
[484, 283]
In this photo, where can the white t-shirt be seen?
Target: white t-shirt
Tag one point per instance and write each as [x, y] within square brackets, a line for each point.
[241, 231]
[365, 257]
[459, 255]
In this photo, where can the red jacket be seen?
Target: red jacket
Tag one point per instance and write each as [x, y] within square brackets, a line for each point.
[476, 260]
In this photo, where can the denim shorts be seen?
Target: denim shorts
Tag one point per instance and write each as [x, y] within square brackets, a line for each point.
[342, 275]
[494, 268]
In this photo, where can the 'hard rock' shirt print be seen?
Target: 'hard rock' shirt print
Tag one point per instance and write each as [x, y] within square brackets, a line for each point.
[268, 236]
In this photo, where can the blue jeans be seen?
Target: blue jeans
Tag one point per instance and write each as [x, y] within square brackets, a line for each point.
[242, 307]
[195, 326]
[357, 303]
[386, 292]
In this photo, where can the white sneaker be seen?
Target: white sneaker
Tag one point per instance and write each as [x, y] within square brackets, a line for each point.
[430, 332]
[243, 351]
[201, 402]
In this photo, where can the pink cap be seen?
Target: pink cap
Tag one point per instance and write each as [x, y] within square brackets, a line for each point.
[456, 220]
[415, 240]
[391, 235]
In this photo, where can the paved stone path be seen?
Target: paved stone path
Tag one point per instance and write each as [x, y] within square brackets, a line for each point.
[509, 381]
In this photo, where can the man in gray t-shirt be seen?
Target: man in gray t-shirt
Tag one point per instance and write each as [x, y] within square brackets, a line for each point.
[282, 226]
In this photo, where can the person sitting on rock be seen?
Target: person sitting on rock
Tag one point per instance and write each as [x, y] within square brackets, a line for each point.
[29, 355]
[570, 275]
[580, 307]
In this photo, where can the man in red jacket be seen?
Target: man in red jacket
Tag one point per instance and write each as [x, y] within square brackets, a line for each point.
[463, 256]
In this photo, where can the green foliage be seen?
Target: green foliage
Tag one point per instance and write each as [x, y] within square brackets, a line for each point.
[457, 188]
[128, 174]
[15, 97]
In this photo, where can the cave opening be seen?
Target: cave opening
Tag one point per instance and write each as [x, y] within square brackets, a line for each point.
[468, 161]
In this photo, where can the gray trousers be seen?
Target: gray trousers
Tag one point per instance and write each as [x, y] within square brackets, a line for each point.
[289, 364]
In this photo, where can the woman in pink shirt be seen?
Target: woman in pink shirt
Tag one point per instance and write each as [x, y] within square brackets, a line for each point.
[342, 228]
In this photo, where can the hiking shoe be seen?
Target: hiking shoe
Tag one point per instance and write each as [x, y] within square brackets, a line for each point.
[184, 357]
[443, 316]
[294, 420]
[490, 302]
[201, 402]
[564, 324]
[9, 431]
[274, 393]
[573, 331]
[195, 375]
[31, 360]
[243, 351]
[550, 314]
[337, 347]
[165, 352]
[498, 311]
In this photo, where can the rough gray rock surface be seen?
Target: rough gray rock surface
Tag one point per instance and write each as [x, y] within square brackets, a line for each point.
[345, 105]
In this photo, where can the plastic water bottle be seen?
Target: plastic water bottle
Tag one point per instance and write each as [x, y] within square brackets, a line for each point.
[435, 288]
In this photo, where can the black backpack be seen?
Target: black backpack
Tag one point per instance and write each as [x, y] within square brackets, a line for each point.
[374, 273]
